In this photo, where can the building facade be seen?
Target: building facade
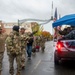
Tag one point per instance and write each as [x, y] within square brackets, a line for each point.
[27, 25]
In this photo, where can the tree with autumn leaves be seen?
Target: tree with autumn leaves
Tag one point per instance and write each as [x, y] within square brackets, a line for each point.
[47, 35]
[38, 28]
[40, 31]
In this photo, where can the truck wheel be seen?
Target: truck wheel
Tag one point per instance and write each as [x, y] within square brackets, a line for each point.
[56, 59]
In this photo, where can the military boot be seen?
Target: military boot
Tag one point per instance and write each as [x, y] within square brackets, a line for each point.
[23, 67]
[11, 74]
[18, 73]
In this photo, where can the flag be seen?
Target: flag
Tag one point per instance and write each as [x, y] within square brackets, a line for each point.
[55, 15]
[59, 27]
[55, 29]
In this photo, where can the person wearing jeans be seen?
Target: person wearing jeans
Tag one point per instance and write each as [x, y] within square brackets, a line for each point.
[29, 50]
[29, 46]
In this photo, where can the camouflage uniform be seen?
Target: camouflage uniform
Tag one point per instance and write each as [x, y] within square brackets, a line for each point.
[13, 43]
[2, 47]
[37, 40]
[42, 43]
[24, 38]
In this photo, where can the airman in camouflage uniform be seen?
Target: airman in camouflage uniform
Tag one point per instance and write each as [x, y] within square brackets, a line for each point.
[24, 38]
[37, 40]
[2, 46]
[42, 43]
[13, 43]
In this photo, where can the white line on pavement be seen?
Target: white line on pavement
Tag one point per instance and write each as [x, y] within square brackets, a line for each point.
[36, 66]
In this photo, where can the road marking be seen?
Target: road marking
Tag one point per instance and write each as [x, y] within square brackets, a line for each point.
[36, 66]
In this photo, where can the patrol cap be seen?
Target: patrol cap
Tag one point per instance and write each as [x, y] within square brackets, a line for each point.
[23, 28]
[16, 28]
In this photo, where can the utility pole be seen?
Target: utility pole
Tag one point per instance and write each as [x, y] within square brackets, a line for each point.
[52, 12]
[18, 22]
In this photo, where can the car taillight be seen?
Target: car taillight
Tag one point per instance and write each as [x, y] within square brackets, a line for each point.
[59, 45]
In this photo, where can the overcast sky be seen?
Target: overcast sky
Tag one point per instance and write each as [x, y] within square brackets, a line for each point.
[12, 10]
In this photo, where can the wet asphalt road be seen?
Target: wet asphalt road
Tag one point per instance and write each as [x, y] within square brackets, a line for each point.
[42, 64]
